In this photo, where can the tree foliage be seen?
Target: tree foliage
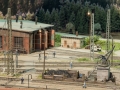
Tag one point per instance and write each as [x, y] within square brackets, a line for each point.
[57, 38]
[87, 40]
[19, 5]
[97, 26]
[70, 26]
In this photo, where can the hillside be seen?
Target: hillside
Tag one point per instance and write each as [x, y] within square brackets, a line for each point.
[32, 5]
[67, 15]
[19, 5]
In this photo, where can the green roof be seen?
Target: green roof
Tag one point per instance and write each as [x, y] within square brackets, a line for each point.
[70, 35]
[28, 26]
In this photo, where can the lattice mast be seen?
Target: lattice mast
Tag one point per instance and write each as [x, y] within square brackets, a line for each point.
[108, 31]
[92, 36]
[10, 62]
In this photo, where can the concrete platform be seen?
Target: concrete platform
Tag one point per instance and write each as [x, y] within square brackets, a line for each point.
[102, 73]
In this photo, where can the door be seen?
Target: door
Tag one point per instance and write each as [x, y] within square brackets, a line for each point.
[65, 43]
[74, 45]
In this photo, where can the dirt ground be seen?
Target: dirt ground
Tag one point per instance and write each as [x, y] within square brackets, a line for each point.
[66, 55]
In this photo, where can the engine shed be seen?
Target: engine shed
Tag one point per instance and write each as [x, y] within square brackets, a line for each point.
[28, 37]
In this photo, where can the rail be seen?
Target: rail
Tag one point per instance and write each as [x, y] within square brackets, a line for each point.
[75, 83]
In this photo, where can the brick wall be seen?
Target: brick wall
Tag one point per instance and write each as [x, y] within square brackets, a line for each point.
[46, 39]
[70, 43]
[25, 36]
[26, 44]
[52, 37]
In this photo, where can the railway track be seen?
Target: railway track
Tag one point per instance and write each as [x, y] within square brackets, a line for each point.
[60, 64]
[66, 64]
[73, 53]
[80, 83]
[68, 52]
[76, 53]
[75, 83]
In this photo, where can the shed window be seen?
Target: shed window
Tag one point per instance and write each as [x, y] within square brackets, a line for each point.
[0, 41]
[18, 42]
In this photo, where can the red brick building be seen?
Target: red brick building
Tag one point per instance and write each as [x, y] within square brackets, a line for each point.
[29, 38]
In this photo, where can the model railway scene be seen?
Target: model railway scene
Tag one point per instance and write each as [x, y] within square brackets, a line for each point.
[59, 71]
[59, 45]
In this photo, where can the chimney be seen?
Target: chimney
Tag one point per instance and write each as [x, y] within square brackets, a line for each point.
[76, 33]
[36, 20]
[21, 24]
[16, 17]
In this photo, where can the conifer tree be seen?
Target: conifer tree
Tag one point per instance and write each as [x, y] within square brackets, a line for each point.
[47, 17]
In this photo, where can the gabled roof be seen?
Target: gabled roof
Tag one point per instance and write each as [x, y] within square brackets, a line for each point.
[28, 26]
[66, 35]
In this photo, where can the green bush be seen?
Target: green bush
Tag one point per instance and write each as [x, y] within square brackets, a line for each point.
[96, 38]
[57, 38]
[87, 40]
[102, 44]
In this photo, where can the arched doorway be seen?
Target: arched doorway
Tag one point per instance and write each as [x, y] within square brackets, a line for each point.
[65, 43]
[74, 45]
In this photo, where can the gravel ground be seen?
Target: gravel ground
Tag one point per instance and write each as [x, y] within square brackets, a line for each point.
[63, 54]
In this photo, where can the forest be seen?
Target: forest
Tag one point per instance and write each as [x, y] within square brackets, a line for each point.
[74, 14]
[68, 15]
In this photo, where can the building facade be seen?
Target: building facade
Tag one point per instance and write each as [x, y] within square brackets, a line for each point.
[72, 42]
[29, 38]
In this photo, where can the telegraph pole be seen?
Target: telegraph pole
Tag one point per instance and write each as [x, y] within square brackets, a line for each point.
[108, 31]
[44, 51]
[92, 35]
[10, 62]
[108, 34]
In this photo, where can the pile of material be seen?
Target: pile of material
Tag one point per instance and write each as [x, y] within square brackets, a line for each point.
[59, 72]
[61, 75]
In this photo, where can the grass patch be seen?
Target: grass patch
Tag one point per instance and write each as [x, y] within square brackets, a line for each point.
[83, 59]
[87, 60]
[117, 67]
[17, 75]
[39, 76]
[103, 45]
[101, 52]
[116, 61]
[1, 53]
[3, 74]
